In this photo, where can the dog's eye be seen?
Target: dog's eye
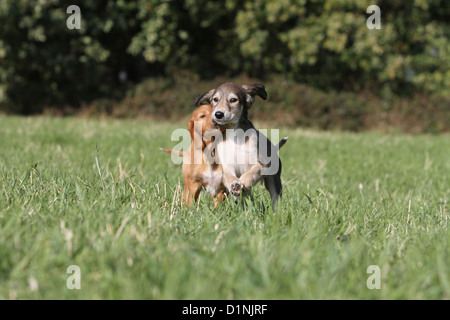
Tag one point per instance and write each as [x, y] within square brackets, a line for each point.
[233, 100]
[216, 99]
[203, 115]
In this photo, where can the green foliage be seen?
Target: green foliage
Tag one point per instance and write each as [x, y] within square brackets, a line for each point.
[324, 43]
[43, 63]
[289, 103]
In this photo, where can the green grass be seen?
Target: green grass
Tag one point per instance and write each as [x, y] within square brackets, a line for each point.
[98, 194]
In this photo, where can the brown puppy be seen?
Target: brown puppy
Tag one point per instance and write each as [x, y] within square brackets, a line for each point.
[198, 171]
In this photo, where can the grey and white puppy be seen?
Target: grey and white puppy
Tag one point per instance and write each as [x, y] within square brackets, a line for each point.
[246, 155]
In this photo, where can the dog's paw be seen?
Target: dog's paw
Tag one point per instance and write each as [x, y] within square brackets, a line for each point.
[236, 188]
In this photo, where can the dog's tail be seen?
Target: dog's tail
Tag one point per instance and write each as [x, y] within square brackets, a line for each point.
[281, 143]
[176, 152]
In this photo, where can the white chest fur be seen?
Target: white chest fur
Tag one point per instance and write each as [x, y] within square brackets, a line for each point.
[238, 154]
[212, 179]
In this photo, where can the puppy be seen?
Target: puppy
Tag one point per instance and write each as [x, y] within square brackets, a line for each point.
[199, 171]
[246, 155]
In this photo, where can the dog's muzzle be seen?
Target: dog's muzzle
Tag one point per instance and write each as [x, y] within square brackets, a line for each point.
[219, 124]
[219, 114]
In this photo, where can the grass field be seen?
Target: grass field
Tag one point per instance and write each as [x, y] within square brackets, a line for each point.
[99, 195]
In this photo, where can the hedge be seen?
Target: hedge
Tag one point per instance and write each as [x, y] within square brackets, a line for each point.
[322, 43]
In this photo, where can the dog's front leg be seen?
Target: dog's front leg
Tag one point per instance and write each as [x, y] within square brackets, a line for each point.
[251, 177]
[231, 182]
[191, 192]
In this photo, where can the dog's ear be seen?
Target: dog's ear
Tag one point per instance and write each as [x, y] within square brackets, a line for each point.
[191, 129]
[206, 97]
[191, 126]
[253, 90]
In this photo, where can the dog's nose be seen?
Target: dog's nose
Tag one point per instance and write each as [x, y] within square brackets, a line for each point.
[219, 114]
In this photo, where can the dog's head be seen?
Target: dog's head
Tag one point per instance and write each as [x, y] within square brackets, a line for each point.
[201, 122]
[230, 101]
